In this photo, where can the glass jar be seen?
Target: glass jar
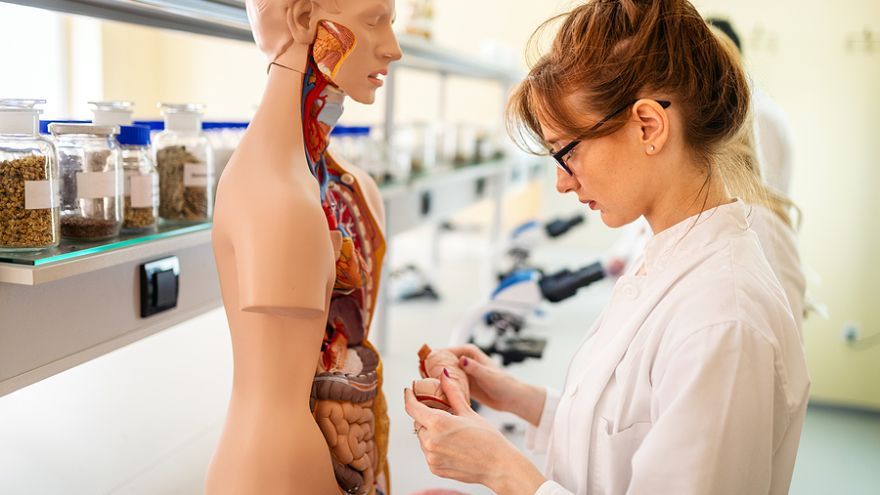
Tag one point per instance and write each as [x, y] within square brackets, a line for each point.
[185, 162]
[466, 145]
[224, 138]
[29, 209]
[141, 186]
[91, 180]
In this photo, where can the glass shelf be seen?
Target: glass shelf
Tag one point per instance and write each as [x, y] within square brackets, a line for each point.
[69, 249]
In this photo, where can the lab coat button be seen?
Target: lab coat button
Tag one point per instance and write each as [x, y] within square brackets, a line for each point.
[631, 291]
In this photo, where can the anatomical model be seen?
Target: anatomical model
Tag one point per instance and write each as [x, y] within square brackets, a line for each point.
[299, 245]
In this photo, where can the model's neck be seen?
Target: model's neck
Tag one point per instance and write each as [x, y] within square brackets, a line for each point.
[277, 114]
[299, 108]
[322, 106]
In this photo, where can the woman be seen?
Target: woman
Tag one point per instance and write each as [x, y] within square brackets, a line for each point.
[693, 379]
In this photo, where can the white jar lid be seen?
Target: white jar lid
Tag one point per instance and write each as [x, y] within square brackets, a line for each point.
[112, 112]
[20, 116]
[185, 117]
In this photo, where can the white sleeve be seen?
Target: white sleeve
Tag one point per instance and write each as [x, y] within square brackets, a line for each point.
[714, 412]
[538, 437]
[552, 488]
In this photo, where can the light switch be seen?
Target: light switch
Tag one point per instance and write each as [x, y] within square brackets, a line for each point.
[159, 285]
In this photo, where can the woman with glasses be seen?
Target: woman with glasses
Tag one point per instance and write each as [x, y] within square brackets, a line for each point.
[692, 380]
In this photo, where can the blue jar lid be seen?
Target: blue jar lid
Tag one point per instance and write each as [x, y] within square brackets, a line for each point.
[153, 125]
[224, 125]
[134, 135]
[361, 130]
[348, 130]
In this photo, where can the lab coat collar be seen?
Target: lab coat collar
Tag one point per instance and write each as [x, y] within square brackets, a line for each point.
[694, 233]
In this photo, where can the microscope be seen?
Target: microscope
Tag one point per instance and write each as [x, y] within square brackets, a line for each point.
[496, 325]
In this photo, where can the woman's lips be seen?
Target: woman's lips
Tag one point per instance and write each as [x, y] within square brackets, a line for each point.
[589, 202]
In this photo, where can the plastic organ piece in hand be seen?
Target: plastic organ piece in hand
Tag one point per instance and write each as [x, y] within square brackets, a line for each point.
[431, 366]
[428, 391]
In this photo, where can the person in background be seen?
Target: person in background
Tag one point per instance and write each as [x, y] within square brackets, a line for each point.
[771, 129]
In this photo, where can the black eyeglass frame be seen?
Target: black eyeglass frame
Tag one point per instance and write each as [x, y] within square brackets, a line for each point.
[559, 156]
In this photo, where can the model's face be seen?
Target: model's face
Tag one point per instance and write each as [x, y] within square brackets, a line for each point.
[359, 71]
[609, 174]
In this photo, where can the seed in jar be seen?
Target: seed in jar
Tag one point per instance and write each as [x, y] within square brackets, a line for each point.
[20, 227]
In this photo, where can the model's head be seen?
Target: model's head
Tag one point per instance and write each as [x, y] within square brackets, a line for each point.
[353, 39]
[671, 94]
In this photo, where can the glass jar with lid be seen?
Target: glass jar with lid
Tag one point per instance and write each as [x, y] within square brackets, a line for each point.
[112, 112]
[29, 209]
[90, 170]
[185, 162]
[141, 187]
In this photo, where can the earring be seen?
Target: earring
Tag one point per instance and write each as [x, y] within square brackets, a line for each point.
[651, 148]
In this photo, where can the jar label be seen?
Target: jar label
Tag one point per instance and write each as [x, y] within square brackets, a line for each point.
[140, 188]
[96, 185]
[195, 175]
[40, 194]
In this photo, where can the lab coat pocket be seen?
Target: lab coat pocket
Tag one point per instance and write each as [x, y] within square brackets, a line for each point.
[612, 457]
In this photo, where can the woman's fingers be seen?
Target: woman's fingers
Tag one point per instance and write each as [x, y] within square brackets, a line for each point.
[476, 370]
[455, 394]
[472, 352]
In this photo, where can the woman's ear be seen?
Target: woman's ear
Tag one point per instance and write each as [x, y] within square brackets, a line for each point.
[654, 125]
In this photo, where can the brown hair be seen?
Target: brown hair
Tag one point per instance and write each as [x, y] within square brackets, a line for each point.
[608, 53]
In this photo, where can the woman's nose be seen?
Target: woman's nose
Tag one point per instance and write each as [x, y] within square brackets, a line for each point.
[565, 183]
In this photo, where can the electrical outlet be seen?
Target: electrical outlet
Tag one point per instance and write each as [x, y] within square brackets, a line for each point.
[850, 333]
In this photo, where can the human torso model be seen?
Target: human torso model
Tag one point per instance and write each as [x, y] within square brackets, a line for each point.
[299, 247]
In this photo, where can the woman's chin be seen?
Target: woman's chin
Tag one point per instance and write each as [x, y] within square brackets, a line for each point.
[611, 220]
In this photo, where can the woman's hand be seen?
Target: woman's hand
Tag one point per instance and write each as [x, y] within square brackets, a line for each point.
[492, 386]
[465, 447]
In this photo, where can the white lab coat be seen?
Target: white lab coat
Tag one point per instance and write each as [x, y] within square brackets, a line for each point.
[693, 380]
[772, 141]
[778, 242]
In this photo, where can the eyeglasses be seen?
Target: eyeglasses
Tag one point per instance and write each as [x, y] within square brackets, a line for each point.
[560, 155]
